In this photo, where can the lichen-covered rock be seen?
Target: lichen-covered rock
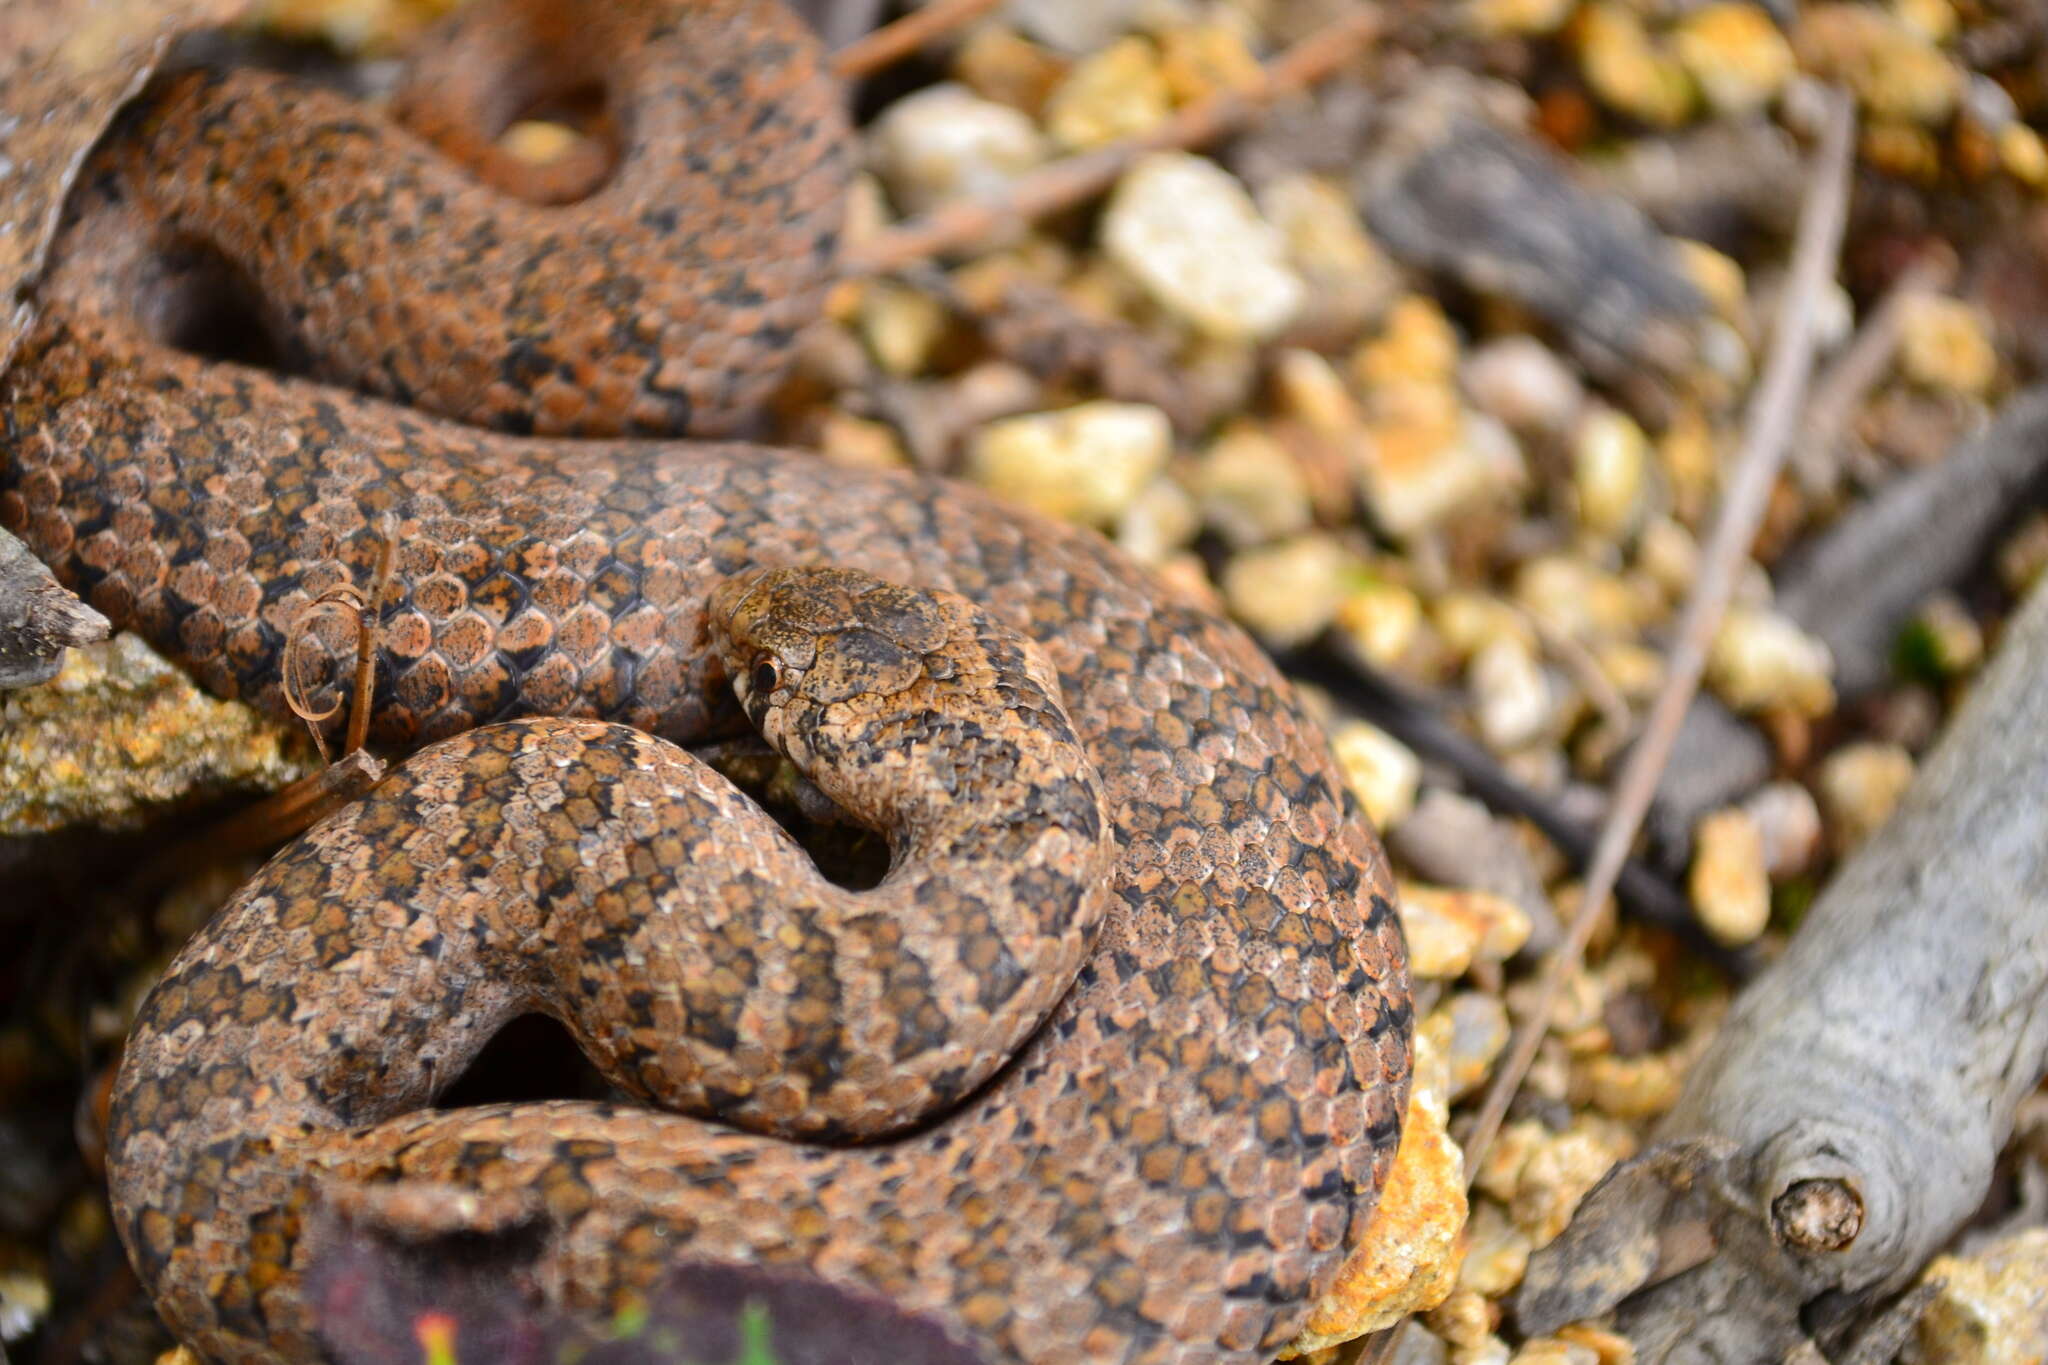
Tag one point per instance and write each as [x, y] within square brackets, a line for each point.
[120, 734]
[1992, 1307]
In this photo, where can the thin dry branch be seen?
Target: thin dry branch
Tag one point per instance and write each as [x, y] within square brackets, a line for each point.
[871, 52]
[1773, 416]
[1065, 183]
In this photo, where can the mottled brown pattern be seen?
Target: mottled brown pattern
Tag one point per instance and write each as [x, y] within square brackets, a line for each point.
[1171, 1167]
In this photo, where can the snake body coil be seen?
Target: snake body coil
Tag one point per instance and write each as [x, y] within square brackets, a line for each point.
[1171, 1165]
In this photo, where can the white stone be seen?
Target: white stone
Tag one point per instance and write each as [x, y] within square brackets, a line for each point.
[1186, 230]
[946, 143]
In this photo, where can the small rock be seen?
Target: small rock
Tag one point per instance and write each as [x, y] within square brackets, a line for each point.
[1576, 598]
[1409, 1260]
[120, 732]
[1083, 463]
[1717, 275]
[1788, 822]
[1761, 659]
[1730, 887]
[1205, 59]
[1500, 18]
[1945, 344]
[1462, 1319]
[998, 64]
[1073, 26]
[1117, 93]
[1667, 552]
[945, 143]
[1896, 71]
[1418, 344]
[1449, 837]
[1610, 455]
[1187, 231]
[1490, 1350]
[1470, 621]
[2023, 557]
[858, 443]
[1160, 522]
[1471, 1030]
[1992, 1308]
[1251, 490]
[1608, 1348]
[1945, 637]
[1630, 1088]
[1428, 459]
[1307, 386]
[900, 325]
[1560, 1171]
[1736, 54]
[1288, 592]
[1522, 382]
[24, 1303]
[2023, 154]
[1859, 786]
[1381, 621]
[1554, 1351]
[1496, 1252]
[1448, 929]
[1381, 771]
[1627, 70]
[1512, 699]
[1350, 280]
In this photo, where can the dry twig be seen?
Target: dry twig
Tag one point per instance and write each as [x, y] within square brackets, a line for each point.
[1065, 183]
[871, 52]
[1773, 416]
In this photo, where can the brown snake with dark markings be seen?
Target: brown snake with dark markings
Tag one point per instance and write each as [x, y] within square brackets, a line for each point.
[1174, 1162]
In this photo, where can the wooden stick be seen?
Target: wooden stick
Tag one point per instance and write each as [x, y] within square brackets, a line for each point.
[1067, 182]
[890, 43]
[1773, 417]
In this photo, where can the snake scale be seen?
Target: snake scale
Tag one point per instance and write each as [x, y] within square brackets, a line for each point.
[1110, 1067]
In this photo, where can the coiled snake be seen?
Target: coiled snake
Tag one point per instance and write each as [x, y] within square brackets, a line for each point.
[1062, 1089]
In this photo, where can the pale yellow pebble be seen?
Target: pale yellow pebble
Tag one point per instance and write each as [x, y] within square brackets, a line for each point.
[1631, 1088]
[1554, 1351]
[1162, 520]
[1737, 55]
[1992, 1307]
[1628, 70]
[859, 443]
[1115, 94]
[1610, 457]
[1761, 659]
[1560, 1171]
[1718, 275]
[900, 325]
[1496, 1251]
[1945, 343]
[1729, 883]
[1860, 784]
[1307, 386]
[2024, 156]
[1418, 343]
[1608, 1347]
[1382, 621]
[1251, 490]
[1289, 591]
[1512, 699]
[1187, 231]
[1381, 772]
[1084, 463]
[1463, 1319]
[1499, 18]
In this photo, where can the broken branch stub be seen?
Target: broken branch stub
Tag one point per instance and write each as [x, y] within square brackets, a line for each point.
[1865, 1083]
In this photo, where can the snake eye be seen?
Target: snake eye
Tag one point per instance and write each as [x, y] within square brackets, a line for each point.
[767, 677]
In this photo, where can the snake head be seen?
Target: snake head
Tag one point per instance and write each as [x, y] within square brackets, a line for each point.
[893, 701]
